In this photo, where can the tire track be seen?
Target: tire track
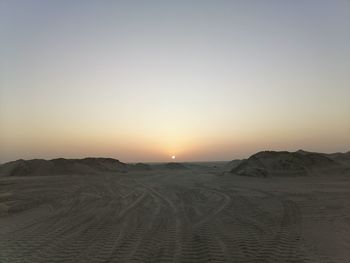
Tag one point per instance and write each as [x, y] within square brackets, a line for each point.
[222, 207]
[160, 228]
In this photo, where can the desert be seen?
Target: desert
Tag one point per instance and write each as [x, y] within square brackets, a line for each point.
[189, 131]
[103, 210]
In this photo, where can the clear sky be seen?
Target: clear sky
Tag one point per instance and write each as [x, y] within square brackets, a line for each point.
[145, 80]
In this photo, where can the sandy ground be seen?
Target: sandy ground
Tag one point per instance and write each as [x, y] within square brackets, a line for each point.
[174, 216]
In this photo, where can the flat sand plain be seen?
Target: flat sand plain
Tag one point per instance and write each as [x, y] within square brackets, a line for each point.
[164, 215]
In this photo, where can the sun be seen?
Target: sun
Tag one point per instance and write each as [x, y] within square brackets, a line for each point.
[173, 157]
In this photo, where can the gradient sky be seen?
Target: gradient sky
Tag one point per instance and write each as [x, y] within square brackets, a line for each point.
[144, 80]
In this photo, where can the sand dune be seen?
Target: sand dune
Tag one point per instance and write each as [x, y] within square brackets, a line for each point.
[283, 163]
[38, 167]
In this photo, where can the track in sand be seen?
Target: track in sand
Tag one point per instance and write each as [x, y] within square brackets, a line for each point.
[168, 216]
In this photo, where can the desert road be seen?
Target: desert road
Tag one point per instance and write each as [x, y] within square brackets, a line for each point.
[162, 215]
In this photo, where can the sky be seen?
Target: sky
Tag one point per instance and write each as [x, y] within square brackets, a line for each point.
[146, 80]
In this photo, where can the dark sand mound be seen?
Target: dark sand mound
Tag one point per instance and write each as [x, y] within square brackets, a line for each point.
[175, 166]
[270, 163]
[61, 166]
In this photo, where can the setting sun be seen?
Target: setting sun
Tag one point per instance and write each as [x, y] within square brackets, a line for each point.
[97, 97]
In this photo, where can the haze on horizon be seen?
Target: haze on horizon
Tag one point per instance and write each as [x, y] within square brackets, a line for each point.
[146, 80]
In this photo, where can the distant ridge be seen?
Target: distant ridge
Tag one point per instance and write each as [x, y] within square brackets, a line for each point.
[38, 167]
[175, 166]
[283, 163]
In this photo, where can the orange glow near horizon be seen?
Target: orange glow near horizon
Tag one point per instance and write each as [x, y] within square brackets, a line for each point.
[146, 82]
